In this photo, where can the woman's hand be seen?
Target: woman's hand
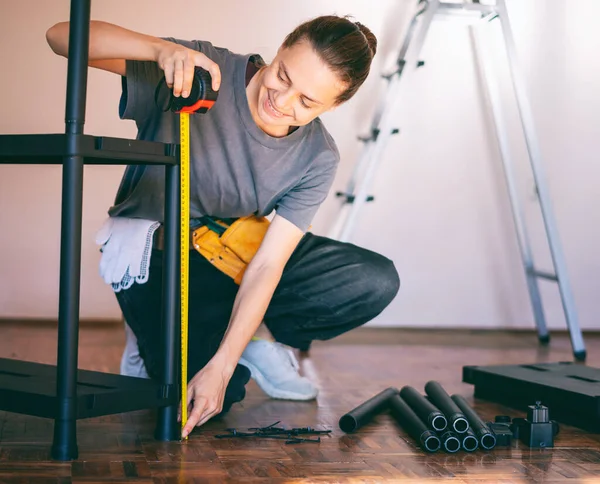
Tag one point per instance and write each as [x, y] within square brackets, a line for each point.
[178, 63]
[207, 391]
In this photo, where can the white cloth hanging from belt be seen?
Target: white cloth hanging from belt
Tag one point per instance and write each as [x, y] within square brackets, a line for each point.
[126, 246]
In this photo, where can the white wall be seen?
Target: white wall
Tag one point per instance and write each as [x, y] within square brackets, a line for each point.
[441, 189]
[441, 211]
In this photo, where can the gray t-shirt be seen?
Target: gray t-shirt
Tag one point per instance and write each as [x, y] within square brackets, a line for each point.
[236, 168]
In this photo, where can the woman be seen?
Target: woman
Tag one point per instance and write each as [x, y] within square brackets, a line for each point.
[261, 148]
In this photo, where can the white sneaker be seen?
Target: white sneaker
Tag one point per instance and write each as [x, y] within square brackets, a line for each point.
[273, 366]
[275, 369]
[131, 361]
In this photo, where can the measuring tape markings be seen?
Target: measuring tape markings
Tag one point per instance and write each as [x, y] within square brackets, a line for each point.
[184, 134]
[205, 99]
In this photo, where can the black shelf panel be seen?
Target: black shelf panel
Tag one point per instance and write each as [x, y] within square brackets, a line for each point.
[30, 388]
[49, 149]
[571, 391]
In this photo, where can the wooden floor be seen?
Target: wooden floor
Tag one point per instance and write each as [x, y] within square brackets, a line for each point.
[120, 448]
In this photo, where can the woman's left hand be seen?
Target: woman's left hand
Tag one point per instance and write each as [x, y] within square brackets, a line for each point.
[207, 391]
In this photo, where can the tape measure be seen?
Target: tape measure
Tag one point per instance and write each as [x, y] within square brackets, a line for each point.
[184, 199]
[201, 99]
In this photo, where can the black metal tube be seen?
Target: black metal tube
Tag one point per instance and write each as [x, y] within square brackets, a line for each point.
[64, 444]
[167, 427]
[413, 425]
[442, 400]
[470, 443]
[450, 441]
[359, 416]
[487, 439]
[77, 70]
[426, 411]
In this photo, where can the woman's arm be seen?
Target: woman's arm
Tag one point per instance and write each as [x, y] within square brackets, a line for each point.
[258, 285]
[110, 45]
[262, 275]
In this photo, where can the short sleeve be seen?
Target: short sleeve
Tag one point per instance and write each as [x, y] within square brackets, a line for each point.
[300, 204]
[141, 79]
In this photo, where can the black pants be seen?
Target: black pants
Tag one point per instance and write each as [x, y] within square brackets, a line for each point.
[327, 288]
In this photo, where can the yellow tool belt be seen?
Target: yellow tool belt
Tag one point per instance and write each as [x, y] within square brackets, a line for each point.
[230, 247]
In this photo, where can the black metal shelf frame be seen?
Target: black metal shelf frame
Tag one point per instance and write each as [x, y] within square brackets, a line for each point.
[63, 392]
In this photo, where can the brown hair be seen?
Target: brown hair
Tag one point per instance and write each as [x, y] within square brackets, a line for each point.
[347, 47]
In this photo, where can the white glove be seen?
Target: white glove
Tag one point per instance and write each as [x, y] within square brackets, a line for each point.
[126, 249]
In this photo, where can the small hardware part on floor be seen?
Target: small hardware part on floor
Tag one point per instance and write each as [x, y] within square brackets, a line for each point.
[291, 436]
[536, 431]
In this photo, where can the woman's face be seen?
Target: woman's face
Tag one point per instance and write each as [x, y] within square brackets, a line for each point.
[294, 89]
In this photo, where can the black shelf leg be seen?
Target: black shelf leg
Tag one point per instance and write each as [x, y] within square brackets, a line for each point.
[64, 445]
[167, 427]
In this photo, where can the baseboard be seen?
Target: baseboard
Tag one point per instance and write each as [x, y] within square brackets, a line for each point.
[88, 322]
[474, 329]
[84, 322]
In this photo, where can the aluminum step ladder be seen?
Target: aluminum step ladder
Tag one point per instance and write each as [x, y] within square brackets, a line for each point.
[382, 128]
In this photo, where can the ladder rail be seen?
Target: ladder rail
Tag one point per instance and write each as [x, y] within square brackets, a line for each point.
[535, 159]
[375, 128]
[491, 92]
[385, 130]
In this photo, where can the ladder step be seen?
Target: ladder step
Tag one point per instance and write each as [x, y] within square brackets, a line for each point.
[474, 7]
[350, 197]
[545, 275]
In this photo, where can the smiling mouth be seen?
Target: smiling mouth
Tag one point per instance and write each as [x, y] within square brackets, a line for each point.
[271, 109]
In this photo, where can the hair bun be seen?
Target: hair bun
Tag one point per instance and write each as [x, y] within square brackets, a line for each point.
[345, 46]
[371, 39]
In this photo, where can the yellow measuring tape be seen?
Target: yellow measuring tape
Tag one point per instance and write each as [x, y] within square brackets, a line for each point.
[184, 135]
[205, 98]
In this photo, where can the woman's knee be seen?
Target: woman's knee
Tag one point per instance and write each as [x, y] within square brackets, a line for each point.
[369, 283]
[382, 281]
[372, 284]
